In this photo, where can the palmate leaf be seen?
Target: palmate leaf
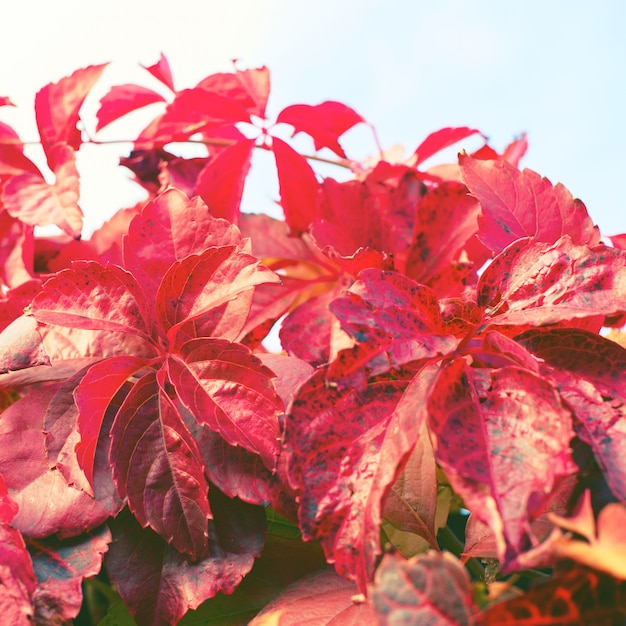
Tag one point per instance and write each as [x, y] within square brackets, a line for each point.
[503, 438]
[158, 467]
[227, 388]
[159, 585]
[170, 228]
[122, 99]
[201, 283]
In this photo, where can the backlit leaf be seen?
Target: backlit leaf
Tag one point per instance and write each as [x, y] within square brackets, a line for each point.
[57, 108]
[220, 184]
[441, 139]
[324, 122]
[161, 71]
[299, 188]
[122, 99]
[523, 204]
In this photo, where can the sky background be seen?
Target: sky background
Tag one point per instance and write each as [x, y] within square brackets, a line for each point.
[555, 69]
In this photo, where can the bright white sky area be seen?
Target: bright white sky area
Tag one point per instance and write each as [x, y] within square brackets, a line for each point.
[555, 69]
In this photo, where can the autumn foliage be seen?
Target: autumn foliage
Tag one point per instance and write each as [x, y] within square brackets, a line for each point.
[449, 343]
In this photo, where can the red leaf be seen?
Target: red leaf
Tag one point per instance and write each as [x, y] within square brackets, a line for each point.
[221, 182]
[93, 297]
[16, 251]
[440, 140]
[21, 345]
[446, 220]
[431, 588]
[257, 83]
[394, 320]
[17, 578]
[158, 467]
[199, 284]
[522, 204]
[57, 108]
[324, 122]
[539, 283]
[159, 585]
[31, 199]
[61, 566]
[161, 71]
[344, 449]
[93, 396]
[228, 389]
[299, 189]
[47, 504]
[122, 99]
[322, 599]
[198, 110]
[170, 228]
[514, 444]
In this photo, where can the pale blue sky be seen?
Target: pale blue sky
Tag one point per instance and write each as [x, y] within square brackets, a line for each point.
[555, 69]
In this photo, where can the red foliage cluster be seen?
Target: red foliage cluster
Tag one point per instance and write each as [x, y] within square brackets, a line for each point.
[441, 343]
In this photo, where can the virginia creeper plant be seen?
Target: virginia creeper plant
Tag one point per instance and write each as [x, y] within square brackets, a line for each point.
[440, 437]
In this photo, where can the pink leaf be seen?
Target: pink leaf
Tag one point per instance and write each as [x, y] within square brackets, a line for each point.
[446, 220]
[122, 99]
[440, 140]
[170, 228]
[161, 71]
[159, 585]
[203, 282]
[522, 204]
[31, 199]
[512, 444]
[323, 599]
[228, 389]
[344, 449]
[257, 83]
[299, 189]
[93, 396]
[539, 283]
[47, 504]
[21, 345]
[90, 296]
[220, 184]
[57, 108]
[16, 251]
[324, 122]
[158, 467]
[198, 110]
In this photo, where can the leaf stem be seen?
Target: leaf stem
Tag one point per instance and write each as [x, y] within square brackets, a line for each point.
[449, 541]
